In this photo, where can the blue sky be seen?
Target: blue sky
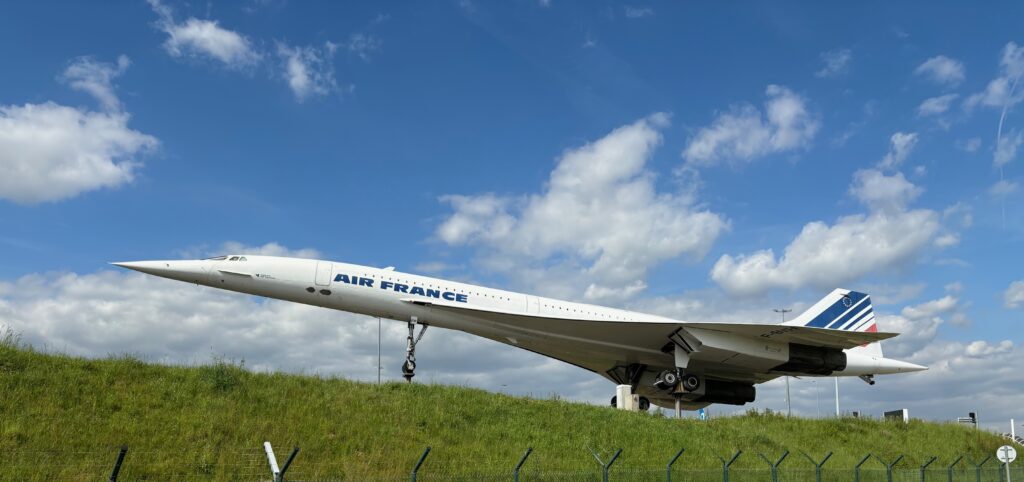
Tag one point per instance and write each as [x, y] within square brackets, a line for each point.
[857, 143]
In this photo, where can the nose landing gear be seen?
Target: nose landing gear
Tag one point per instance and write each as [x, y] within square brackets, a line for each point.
[409, 366]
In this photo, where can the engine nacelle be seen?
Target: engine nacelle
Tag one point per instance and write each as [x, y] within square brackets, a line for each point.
[813, 360]
[729, 393]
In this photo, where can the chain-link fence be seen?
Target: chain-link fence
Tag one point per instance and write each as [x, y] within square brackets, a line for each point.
[261, 465]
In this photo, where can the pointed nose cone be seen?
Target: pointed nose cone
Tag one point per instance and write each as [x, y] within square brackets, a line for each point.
[158, 268]
[915, 368]
[181, 270]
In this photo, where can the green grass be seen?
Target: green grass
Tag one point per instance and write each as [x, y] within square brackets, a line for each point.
[63, 418]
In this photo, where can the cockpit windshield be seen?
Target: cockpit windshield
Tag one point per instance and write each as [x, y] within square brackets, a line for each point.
[227, 258]
[216, 258]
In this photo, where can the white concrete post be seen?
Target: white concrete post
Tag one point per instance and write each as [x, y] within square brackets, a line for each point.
[274, 470]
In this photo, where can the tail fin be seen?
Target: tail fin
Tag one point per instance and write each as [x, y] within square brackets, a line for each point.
[842, 310]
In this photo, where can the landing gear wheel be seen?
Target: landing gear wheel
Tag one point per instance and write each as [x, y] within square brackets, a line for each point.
[409, 368]
[644, 404]
[691, 382]
[667, 380]
[615, 400]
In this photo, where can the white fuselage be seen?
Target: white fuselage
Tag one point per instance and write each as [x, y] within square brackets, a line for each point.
[387, 293]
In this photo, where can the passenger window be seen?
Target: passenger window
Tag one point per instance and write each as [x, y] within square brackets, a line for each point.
[242, 259]
[233, 258]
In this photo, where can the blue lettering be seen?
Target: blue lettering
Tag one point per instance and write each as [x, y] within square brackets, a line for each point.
[462, 298]
[401, 288]
[366, 282]
[386, 285]
[433, 293]
[341, 278]
[448, 295]
[416, 290]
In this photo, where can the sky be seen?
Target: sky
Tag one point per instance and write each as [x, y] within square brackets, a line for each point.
[706, 162]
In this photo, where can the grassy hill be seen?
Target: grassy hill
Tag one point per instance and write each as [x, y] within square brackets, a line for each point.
[64, 418]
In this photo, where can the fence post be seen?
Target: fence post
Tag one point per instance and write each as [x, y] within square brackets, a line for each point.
[950, 468]
[817, 465]
[515, 473]
[925, 466]
[774, 466]
[668, 468]
[272, 460]
[287, 463]
[419, 463]
[605, 466]
[725, 465]
[888, 467]
[117, 463]
[856, 468]
[977, 468]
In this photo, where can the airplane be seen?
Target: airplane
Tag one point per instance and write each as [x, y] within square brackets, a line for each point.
[665, 362]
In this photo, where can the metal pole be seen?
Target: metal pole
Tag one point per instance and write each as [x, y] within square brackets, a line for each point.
[679, 407]
[668, 468]
[1006, 452]
[378, 351]
[117, 463]
[817, 399]
[1013, 431]
[856, 468]
[977, 467]
[949, 471]
[287, 463]
[419, 463]
[515, 473]
[608, 466]
[789, 402]
[925, 466]
[837, 397]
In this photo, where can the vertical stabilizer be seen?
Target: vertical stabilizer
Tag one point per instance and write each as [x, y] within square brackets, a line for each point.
[842, 310]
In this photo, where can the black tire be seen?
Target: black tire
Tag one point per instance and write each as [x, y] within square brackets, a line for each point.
[408, 367]
[615, 399]
[670, 378]
[691, 382]
[644, 404]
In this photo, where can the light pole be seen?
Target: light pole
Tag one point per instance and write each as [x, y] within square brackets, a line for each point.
[378, 350]
[789, 403]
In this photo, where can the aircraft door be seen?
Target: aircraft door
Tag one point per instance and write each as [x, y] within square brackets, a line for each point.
[323, 273]
[532, 305]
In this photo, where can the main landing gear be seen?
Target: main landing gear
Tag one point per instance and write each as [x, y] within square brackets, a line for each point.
[409, 367]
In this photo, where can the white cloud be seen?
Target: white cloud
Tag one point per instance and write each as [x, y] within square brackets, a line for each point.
[744, 133]
[901, 144]
[50, 152]
[1000, 91]
[936, 105]
[363, 44]
[1013, 297]
[1003, 188]
[947, 240]
[308, 70]
[204, 39]
[883, 193]
[599, 217]
[96, 79]
[970, 145]
[826, 257]
[834, 63]
[942, 70]
[1006, 147]
[638, 12]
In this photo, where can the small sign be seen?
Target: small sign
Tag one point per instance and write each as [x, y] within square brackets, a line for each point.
[1006, 454]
